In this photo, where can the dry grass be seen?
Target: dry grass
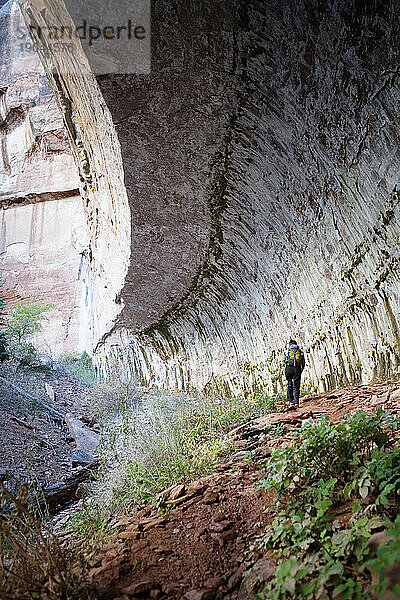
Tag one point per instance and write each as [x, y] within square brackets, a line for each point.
[103, 401]
[33, 564]
[160, 440]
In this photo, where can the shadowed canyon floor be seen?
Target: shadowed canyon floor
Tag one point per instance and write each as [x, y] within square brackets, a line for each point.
[199, 545]
[34, 445]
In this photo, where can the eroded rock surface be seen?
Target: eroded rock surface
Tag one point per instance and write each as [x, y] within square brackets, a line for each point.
[42, 225]
[261, 160]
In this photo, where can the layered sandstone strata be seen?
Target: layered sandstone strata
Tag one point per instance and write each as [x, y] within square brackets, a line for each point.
[42, 225]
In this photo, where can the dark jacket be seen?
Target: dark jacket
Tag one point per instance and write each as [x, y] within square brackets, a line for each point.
[290, 357]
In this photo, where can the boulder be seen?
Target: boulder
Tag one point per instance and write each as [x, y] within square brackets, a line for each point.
[395, 395]
[201, 594]
[139, 588]
[176, 492]
[214, 583]
[81, 457]
[392, 572]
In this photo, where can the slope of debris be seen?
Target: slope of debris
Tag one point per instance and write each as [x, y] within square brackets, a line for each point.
[199, 544]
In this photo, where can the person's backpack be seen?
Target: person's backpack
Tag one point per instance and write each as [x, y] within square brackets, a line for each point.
[293, 356]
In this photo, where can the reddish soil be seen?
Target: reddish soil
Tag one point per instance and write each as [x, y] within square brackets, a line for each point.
[200, 548]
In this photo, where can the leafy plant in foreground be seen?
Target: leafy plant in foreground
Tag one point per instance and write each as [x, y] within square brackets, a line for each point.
[324, 465]
[321, 450]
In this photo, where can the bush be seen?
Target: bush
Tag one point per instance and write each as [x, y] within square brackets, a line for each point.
[77, 366]
[104, 402]
[25, 320]
[322, 450]
[165, 440]
[23, 353]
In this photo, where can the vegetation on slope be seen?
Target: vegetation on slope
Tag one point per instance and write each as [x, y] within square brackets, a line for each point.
[334, 484]
[327, 465]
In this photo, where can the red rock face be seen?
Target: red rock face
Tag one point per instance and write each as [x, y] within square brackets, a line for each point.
[244, 192]
[35, 155]
[41, 218]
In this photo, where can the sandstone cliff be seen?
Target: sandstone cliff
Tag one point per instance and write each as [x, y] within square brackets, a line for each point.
[243, 192]
[41, 219]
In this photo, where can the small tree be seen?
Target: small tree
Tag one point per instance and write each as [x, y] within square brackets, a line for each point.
[25, 320]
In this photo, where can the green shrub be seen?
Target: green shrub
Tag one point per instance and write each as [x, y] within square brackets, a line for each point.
[327, 464]
[165, 440]
[23, 353]
[322, 450]
[25, 319]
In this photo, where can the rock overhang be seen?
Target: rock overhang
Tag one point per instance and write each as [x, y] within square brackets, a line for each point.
[248, 192]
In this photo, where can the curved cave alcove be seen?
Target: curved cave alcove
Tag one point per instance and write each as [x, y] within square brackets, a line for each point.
[243, 192]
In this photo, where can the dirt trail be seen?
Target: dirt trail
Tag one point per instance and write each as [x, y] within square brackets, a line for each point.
[200, 549]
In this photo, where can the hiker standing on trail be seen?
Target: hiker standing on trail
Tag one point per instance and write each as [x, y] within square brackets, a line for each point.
[294, 365]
